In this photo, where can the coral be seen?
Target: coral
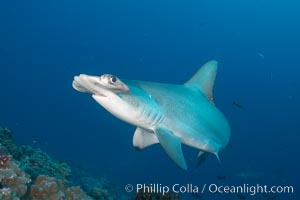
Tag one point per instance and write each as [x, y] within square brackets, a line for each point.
[11, 176]
[4, 159]
[98, 189]
[32, 161]
[100, 194]
[76, 193]
[7, 194]
[20, 165]
[36, 162]
[6, 140]
[46, 188]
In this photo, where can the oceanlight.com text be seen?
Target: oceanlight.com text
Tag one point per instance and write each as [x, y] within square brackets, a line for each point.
[209, 188]
[250, 189]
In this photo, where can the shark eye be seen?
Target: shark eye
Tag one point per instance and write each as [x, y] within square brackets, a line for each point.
[113, 79]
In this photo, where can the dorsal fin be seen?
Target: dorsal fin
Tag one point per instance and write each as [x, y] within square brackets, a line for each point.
[204, 79]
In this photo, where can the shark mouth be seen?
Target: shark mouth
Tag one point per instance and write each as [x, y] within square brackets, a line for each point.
[99, 94]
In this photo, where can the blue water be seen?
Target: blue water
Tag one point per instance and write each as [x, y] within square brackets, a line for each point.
[43, 44]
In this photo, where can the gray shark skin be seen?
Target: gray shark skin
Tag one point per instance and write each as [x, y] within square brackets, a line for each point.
[168, 114]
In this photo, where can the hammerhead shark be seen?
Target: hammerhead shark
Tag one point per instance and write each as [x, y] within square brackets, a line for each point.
[168, 114]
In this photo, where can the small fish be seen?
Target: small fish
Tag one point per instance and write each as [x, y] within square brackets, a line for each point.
[238, 105]
[262, 56]
[245, 174]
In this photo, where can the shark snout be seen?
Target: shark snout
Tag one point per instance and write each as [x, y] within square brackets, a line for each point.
[86, 84]
[99, 85]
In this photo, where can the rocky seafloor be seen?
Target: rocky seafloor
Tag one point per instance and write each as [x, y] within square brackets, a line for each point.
[28, 173]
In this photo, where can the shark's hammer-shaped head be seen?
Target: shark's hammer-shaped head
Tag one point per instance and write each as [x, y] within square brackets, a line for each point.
[120, 99]
[106, 90]
[99, 85]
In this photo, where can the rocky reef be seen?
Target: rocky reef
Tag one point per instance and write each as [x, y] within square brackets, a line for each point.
[30, 174]
[14, 182]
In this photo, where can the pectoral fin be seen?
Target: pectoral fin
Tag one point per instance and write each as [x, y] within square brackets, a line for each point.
[143, 138]
[172, 145]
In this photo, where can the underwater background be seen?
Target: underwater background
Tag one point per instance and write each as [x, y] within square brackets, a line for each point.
[44, 44]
